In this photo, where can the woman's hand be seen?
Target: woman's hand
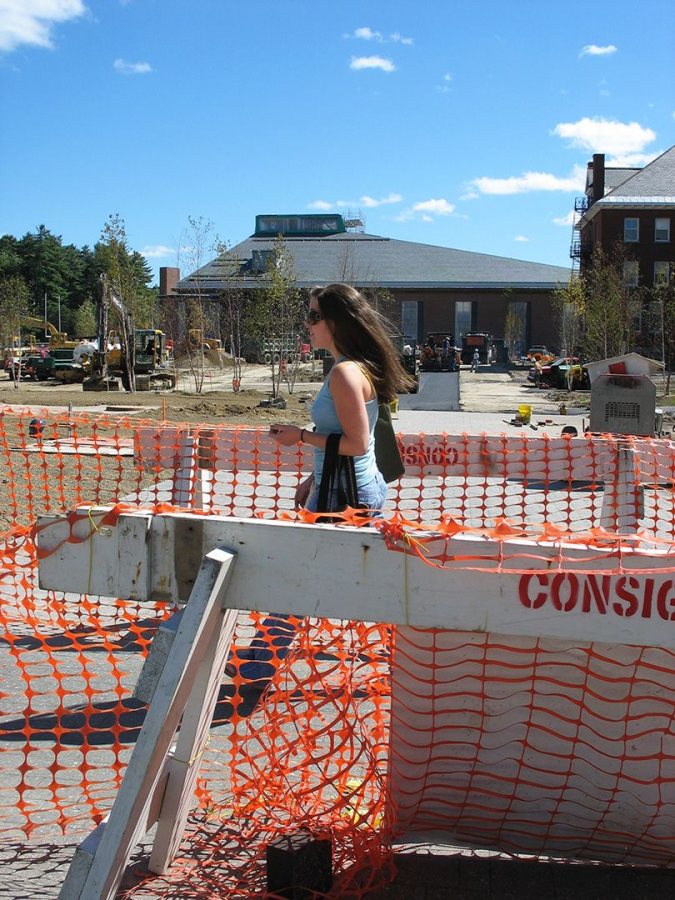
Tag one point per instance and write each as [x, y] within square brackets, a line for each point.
[303, 490]
[286, 435]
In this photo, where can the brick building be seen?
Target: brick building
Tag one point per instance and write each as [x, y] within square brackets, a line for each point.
[631, 207]
[435, 288]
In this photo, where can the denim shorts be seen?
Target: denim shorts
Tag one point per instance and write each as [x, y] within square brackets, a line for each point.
[372, 495]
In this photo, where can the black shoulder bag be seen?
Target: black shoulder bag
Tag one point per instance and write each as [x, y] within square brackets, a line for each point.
[337, 489]
[387, 453]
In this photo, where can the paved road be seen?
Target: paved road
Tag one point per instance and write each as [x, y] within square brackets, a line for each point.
[493, 391]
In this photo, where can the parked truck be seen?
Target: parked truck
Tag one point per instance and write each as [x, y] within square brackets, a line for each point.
[476, 340]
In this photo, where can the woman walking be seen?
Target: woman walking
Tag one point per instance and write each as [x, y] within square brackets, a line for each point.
[367, 370]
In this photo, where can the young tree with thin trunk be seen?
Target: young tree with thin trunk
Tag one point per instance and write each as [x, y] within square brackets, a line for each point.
[568, 305]
[607, 329]
[127, 275]
[661, 306]
[198, 241]
[85, 323]
[276, 316]
[233, 305]
[600, 308]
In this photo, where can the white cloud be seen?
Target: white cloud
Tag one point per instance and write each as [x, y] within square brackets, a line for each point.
[158, 251]
[372, 62]
[594, 50]
[439, 207]
[565, 221]
[31, 21]
[399, 39]
[372, 202]
[632, 160]
[532, 181]
[366, 200]
[367, 34]
[445, 88]
[598, 135]
[521, 239]
[129, 68]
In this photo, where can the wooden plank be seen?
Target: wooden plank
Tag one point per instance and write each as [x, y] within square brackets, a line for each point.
[194, 731]
[280, 564]
[154, 663]
[202, 615]
[90, 528]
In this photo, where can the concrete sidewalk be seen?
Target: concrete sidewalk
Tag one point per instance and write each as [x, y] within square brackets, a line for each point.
[410, 421]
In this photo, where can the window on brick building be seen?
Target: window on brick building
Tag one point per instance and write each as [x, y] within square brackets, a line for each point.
[630, 273]
[635, 313]
[463, 318]
[662, 231]
[661, 272]
[631, 231]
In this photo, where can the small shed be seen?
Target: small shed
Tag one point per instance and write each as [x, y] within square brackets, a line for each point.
[627, 364]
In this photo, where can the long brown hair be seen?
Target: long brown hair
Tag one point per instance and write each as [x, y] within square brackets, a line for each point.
[360, 333]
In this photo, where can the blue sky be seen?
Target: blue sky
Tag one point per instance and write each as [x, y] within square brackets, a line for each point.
[451, 122]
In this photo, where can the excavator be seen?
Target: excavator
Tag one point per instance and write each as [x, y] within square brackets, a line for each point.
[135, 357]
[56, 338]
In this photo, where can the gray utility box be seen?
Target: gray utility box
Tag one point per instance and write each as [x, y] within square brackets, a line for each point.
[623, 404]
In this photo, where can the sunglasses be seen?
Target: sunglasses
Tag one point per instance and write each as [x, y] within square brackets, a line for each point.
[313, 316]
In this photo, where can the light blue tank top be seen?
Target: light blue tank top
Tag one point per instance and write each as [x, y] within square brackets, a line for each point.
[326, 421]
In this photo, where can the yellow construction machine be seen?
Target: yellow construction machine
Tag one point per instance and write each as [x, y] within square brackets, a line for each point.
[138, 357]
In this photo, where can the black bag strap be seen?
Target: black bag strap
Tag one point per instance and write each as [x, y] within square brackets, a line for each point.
[329, 470]
[347, 473]
[337, 476]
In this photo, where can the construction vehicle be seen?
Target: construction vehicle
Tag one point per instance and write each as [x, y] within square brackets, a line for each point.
[476, 340]
[15, 359]
[439, 353]
[55, 338]
[212, 348]
[53, 359]
[136, 358]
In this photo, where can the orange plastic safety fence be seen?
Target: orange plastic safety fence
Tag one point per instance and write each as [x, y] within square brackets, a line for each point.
[517, 743]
